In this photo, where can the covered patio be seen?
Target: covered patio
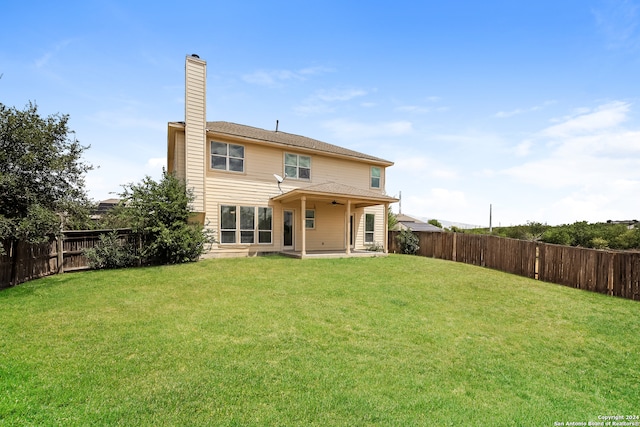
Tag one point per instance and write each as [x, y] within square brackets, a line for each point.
[336, 225]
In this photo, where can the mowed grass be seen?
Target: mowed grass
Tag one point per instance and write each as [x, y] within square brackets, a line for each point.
[275, 341]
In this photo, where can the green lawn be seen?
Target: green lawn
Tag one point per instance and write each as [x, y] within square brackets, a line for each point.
[275, 341]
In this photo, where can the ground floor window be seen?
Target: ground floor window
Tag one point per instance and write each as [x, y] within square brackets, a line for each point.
[310, 218]
[227, 224]
[246, 224]
[265, 225]
[369, 226]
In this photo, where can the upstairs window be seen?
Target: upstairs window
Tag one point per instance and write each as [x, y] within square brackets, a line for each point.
[227, 157]
[297, 166]
[375, 177]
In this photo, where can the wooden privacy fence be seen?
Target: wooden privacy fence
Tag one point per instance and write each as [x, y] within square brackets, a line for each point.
[609, 272]
[22, 261]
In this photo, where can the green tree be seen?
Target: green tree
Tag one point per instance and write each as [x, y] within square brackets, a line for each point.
[159, 213]
[392, 219]
[41, 174]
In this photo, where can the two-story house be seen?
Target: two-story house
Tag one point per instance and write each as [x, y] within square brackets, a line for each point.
[265, 191]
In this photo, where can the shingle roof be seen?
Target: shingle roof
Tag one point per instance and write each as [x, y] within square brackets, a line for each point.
[287, 139]
[334, 189]
[343, 189]
[420, 226]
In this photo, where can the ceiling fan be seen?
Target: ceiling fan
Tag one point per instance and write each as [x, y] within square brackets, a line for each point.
[334, 202]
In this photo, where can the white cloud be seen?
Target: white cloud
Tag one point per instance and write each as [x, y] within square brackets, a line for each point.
[333, 95]
[423, 167]
[278, 77]
[323, 101]
[46, 57]
[591, 166]
[617, 21]
[518, 111]
[423, 109]
[605, 116]
[414, 109]
[436, 203]
[346, 129]
[523, 149]
[157, 162]
[127, 117]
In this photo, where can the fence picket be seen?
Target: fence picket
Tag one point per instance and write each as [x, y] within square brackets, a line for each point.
[56, 256]
[615, 273]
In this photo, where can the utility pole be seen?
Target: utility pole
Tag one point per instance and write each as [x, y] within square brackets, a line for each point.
[400, 203]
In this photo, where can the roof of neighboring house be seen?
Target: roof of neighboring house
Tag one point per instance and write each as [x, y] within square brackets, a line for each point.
[419, 226]
[402, 217]
[287, 139]
[104, 206]
[415, 224]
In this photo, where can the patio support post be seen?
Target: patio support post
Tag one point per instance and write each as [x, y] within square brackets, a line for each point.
[303, 221]
[348, 228]
[385, 241]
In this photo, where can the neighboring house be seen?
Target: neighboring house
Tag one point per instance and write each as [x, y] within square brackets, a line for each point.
[265, 191]
[405, 222]
[630, 224]
[103, 207]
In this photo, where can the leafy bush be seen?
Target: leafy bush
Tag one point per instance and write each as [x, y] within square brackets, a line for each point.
[112, 251]
[159, 212]
[408, 241]
[375, 247]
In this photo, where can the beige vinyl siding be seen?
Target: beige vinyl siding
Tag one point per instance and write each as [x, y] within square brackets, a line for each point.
[257, 185]
[179, 157]
[329, 231]
[380, 218]
[195, 123]
[261, 162]
[355, 174]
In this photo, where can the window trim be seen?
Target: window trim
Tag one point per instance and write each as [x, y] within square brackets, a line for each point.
[270, 230]
[239, 230]
[229, 230]
[243, 231]
[371, 232]
[297, 166]
[227, 156]
[379, 177]
[310, 218]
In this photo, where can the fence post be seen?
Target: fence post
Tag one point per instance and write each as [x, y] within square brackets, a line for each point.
[60, 254]
[455, 243]
[14, 253]
[610, 276]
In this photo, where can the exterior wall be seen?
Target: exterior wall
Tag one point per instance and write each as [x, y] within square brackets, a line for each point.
[257, 185]
[179, 164]
[355, 174]
[195, 124]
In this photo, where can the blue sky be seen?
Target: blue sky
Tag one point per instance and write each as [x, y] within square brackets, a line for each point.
[532, 107]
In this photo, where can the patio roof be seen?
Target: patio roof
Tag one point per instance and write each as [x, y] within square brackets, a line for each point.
[339, 193]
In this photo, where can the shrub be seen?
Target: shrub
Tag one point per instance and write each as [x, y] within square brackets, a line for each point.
[409, 242]
[112, 251]
[375, 247]
[159, 212]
